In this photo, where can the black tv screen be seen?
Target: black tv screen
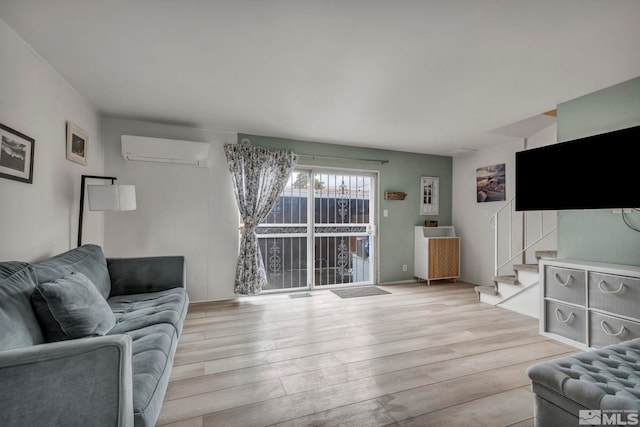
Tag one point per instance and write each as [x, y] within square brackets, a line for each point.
[596, 172]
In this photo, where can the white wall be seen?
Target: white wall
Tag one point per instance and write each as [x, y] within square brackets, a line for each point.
[546, 136]
[181, 210]
[470, 218]
[40, 219]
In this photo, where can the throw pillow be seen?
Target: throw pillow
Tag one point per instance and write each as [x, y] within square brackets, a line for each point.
[71, 307]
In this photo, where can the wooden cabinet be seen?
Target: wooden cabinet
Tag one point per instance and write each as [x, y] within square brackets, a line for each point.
[589, 304]
[436, 253]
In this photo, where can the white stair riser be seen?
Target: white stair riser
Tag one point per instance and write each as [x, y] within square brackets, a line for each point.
[505, 290]
[527, 302]
[491, 299]
[526, 278]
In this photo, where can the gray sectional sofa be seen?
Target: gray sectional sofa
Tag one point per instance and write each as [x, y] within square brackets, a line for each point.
[88, 341]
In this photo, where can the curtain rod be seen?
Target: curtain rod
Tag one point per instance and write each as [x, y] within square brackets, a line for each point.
[315, 156]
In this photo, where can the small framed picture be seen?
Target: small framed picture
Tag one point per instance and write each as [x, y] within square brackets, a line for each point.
[77, 144]
[490, 183]
[16, 155]
[429, 195]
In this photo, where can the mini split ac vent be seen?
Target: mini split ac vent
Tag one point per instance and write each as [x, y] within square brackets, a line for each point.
[165, 151]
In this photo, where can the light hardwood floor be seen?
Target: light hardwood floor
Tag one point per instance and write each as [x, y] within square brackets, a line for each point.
[420, 356]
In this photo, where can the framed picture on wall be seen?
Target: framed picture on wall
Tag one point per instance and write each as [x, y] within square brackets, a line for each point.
[429, 195]
[77, 144]
[490, 183]
[16, 155]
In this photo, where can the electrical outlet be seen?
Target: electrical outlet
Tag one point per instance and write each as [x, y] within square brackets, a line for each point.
[385, 213]
[404, 267]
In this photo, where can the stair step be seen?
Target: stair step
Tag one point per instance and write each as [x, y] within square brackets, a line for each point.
[527, 267]
[546, 254]
[512, 279]
[492, 290]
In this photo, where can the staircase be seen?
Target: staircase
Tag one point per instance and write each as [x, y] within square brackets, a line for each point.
[519, 291]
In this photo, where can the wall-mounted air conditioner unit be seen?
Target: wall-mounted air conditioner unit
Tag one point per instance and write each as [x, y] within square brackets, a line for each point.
[165, 151]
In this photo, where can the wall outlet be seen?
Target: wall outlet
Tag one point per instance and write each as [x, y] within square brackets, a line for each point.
[404, 267]
[385, 213]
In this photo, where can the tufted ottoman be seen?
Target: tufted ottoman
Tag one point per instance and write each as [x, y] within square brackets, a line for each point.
[605, 381]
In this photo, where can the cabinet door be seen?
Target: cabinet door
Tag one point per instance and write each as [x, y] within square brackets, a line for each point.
[444, 258]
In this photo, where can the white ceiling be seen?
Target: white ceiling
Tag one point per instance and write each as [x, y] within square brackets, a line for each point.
[431, 76]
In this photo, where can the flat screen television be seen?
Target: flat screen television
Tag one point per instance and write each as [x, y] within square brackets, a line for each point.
[596, 172]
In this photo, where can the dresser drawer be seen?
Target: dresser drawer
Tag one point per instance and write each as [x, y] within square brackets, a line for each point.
[615, 294]
[605, 330]
[565, 320]
[565, 284]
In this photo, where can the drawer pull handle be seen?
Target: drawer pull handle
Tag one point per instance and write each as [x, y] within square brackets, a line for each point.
[560, 319]
[604, 291]
[559, 279]
[607, 331]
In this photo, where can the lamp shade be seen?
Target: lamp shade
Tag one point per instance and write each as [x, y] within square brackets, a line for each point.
[112, 197]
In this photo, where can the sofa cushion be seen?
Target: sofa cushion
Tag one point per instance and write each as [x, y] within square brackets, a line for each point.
[141, 310]
[87, 259]
[9, 268]
[147, 274]
[71, 307]
[153, 348]
[19, 326]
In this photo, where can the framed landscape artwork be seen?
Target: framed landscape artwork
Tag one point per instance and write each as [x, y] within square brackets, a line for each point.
[490, 183]
[77, 144]
[16, 155]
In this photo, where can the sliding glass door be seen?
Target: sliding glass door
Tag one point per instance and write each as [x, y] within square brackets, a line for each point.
[343, 229]
[320, 232]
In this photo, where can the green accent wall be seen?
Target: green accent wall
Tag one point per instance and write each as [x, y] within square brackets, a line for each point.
[402, 173]
[600, 235]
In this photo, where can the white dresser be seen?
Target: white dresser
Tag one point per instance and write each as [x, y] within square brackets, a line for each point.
[589, 304]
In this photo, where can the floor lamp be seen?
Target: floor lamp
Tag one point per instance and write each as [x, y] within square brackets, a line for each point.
[105, 198]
